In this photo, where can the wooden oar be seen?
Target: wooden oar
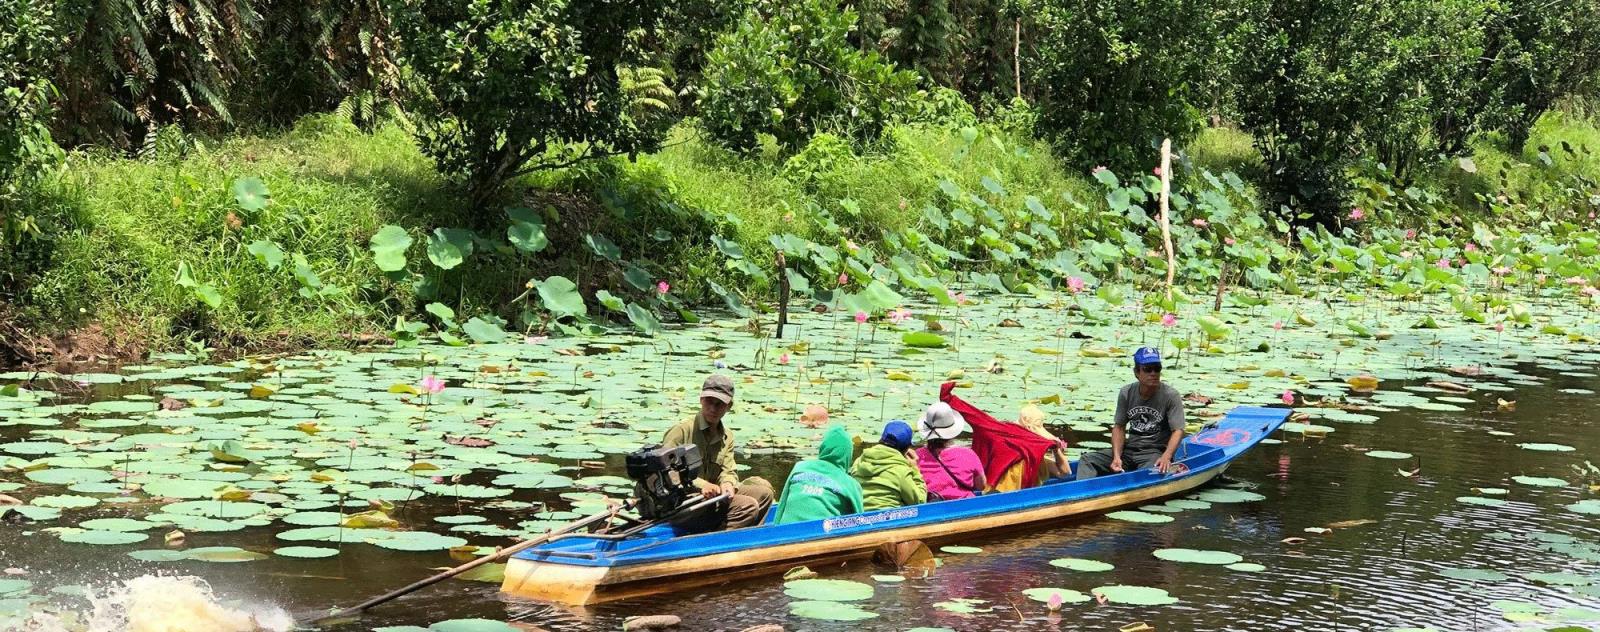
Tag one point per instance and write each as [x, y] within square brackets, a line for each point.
[488, 559]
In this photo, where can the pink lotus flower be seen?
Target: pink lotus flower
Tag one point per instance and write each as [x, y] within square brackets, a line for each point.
[1075, 284]
[1577, 280]
[431, 385]
[1156, 171]
[1443, 263]
[354, 444]
[961, 298]
[1411, 233]
[535, 340]
[1277, 325]
[1591, 291]
[1501, 270]
[783, 359]
[861, 317]
[662, 287]
[1168, 320]
[1470, 247]
[1539, 278]
[1356, 214]
[1499, 327]
[1228, 240]
[899, 315]
[1098, 169]
[438, 480]
[1055, 598]
[844, 279]
[1200, 223]
[1288, 398]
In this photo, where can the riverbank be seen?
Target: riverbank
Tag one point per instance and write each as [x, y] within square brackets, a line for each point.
[125, 247]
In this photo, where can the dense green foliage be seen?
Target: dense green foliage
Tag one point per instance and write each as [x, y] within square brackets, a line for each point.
[1114, 78]
[500, 85]
[544, 166]
[788, 71]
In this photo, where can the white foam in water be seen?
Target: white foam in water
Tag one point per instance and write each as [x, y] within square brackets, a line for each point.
[152, 603]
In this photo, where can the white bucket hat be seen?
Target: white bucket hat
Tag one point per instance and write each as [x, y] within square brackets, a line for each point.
[941, 421]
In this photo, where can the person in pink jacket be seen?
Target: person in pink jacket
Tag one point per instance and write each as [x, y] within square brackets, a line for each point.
[951, 471]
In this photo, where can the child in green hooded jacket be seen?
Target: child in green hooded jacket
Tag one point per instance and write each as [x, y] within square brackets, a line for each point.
[821, 488]
[888, 476]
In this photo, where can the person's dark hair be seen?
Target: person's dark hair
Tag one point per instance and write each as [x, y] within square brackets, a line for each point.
[935, 445]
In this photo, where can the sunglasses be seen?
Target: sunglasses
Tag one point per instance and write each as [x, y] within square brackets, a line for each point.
[1150, 368]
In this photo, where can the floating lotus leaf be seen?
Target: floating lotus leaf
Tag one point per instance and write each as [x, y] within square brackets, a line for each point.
[472, 625]
[960, 550]
[1076, 564]
[1228, 496]
[1546, 447]
[1247, 567]
[1197, 556]
[888, 579]
[1386, 454]
[117, 524]
[1138, 516]
[417, 541]
[1540, 481]
[1591, 506]
[103, 537]
[68, 476]
[827, 590]
[65, 502]
[1135, 595]
[14, 586]
[829, 611]
[1045, 594]
[1481, 501]
[222, 554]
[309, 552]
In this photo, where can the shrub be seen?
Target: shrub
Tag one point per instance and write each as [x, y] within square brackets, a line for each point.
[132, 67]
[26, 48]
[502, 89]
[789, 71]
[1114, 75]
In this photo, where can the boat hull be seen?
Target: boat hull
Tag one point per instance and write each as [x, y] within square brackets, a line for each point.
[581, 585]
[580, 570]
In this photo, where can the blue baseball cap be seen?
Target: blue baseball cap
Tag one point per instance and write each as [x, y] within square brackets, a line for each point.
[1146, 355]
[896, 434]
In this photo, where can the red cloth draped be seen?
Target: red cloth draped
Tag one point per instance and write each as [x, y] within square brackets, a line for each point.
[999, 444]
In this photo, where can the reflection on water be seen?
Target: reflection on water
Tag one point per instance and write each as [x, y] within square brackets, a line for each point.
[1374, 576]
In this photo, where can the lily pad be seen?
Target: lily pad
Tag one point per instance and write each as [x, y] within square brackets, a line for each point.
[1481, 501]
[960, 550]
[827, 590]
[1197, 556]
[1135, 595]
[417, 541]
[472, 625]
[226, 554]
[1228, 496]
[1247, 567]
[1546, 447]
[1540, 481]
[1386, 454]
[829, 611]
[103, 537]
[309, 552]
[1078, 564]
[1138, 516]
[1066, 595]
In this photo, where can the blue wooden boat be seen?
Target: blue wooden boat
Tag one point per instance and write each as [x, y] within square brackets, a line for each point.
[591, 568]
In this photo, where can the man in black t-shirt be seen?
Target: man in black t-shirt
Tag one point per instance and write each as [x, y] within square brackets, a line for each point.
[1149, 423]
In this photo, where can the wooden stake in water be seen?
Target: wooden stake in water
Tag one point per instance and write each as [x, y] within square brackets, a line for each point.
[1166, 222]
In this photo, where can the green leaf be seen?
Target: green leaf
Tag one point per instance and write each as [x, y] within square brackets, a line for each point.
[923, 340]
[448, 247]
[185, 277]
[638, 278]
[389, 246]
[251, 194]
[304, 274]
[560, 295]
[230, 451]
[482, 331]
[526, 231]
[208, 295]
[609, 301]
[731, 249]
[603, 247]
[644, 320]
[441, 311]
[267, 252]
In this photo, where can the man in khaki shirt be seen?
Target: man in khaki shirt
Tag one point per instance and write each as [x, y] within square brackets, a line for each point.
[748, 499]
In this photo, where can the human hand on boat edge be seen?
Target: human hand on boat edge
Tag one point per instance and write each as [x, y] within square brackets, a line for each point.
[712, 490]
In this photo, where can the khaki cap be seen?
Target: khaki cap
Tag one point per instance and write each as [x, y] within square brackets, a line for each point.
[718, 386]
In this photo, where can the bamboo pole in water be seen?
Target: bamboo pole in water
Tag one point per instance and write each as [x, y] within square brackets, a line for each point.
[1166, 224]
